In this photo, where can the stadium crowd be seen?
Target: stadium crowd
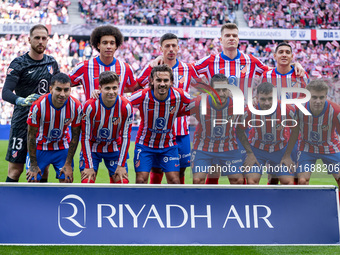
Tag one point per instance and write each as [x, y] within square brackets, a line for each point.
[32, 11]
[168, 13]
[318, 14]
[319, 60]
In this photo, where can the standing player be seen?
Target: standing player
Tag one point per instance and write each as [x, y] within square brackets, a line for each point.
[106, 131]
[284, 76]
[184, 75]
[29, 76]
[319, 135]
[268, 138]
[159, 106]
[215, 146]
[48, 138]
[106, 40]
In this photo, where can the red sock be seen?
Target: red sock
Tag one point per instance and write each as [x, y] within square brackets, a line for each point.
[156, 178]
[296, 181]
[125, 181]
[211, 180]
[244, 181]
[87, 181]
[181, 179]
[111, 180]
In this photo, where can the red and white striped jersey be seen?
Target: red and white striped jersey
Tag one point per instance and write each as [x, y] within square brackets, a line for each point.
[240, 71]
[53, 122]
[288, 80]
[87, 73]
[106, 129]
[318, 133]
[215, 130]
[269, 134]
[158, 117]
[184, 75]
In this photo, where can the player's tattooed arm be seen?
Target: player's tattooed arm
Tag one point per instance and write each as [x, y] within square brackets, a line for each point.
[33, 171]
[250, 159]
[67, 168]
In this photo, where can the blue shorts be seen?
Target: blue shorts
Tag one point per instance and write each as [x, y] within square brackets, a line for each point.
[110, 161]
[145, 158]
[307, 162]
[272, 159]
[228, 162]
[184, 150]
[99, 157]
[44, 158]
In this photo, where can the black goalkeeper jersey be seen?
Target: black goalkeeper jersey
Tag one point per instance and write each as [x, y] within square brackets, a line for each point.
[26, 76]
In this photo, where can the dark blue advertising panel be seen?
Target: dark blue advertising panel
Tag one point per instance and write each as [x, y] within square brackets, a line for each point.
[143, 214]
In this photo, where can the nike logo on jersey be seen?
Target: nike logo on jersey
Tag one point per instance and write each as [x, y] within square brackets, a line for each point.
[31, 71]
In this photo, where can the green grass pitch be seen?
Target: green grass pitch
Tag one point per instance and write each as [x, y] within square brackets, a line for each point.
[317, 179]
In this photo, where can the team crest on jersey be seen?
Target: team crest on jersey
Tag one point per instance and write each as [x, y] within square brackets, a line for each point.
[9, 70]
[244, 68]
[137, 164]
[67, 121]
[172, 109]
[115, 120]
[14, 154]
[50, 69]
[324, 127]
[181, 79]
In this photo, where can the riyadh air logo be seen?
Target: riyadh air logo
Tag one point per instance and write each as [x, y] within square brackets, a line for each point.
[72, 215]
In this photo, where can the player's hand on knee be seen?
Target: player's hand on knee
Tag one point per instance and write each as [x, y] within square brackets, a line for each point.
[288, 162]
[95, 94]
[68, 172]
[120, 174]
[32, 174]
[88, 173]
[27, 101]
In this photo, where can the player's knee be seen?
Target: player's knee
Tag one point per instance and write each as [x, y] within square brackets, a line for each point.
[303, 181]
[174, 180]
[198, 181]
[253, 181]
[141, 180]
[236, 180]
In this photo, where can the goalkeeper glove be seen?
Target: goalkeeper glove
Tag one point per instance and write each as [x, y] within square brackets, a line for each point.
[26, 101]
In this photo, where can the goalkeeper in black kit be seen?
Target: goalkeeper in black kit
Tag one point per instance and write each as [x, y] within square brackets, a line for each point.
[29, 76]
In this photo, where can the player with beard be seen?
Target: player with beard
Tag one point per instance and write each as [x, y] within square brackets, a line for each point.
[184, 76]
[159, 106]
[30, 77]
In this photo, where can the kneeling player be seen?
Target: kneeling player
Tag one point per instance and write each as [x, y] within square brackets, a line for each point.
[159, 106]
[106, 131]
[215, 146]
[268, 138]
[48, 138]
[319, 135]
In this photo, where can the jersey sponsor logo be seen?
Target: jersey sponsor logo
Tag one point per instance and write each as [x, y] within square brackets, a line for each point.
[43, 87]
[67, 121]
[71, 215]
[104, 133]
[160, 123]
[232, 80]
[54, 135]
[218, 130]
[172, 109]
[115, 120]
[9, 70]
[269, 137]
[50, 69]
[314, 136]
